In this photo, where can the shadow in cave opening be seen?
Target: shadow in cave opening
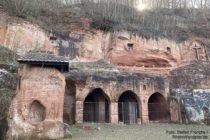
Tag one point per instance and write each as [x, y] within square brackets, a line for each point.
[128, 108]
[96, 107]
[158, 109]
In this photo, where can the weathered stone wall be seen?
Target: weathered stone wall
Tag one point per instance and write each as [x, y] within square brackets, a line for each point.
[190, 86]
[38, 105]
[21, 36]
[191, 76]
[144, 53]
[69, 102]
[114, 84]
[194, 49]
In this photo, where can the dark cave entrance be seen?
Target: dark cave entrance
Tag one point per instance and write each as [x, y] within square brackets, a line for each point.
[96, 107]
[128, 108]
[158, 110]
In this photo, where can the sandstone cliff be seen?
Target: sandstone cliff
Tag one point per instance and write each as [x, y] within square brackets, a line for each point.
[106, 52]
[90, 45]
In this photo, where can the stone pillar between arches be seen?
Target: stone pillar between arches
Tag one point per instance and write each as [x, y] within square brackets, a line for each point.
[79, 112]
[144, 110]
[114, 112]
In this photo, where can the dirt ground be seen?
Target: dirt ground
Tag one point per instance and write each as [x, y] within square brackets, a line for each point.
[140, 132]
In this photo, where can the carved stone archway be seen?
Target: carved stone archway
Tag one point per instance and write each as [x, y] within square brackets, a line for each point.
[37, 112]
[174, 110]
[128, 108]
[157, 108]
[96, 107]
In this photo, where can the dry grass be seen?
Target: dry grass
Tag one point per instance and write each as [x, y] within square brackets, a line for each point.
[176, 24]
[134, 132]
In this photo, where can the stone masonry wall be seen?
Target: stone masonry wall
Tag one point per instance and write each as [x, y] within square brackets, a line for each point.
[114, 87]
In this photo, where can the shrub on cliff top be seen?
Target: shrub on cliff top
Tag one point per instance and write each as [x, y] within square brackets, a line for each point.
[175, 23]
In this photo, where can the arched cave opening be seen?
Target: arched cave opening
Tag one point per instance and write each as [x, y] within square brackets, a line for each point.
[96, 107]
[128, 108]
[158, 110]
[37, 112]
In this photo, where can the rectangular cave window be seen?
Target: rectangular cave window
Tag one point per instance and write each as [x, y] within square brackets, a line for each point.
[168, 50]
[53, 39]
[144, 87]
[130, 46]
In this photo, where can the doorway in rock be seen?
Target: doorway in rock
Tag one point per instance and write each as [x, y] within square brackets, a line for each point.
[37, 112]
[206, 115]
[174, 110]
[96, 107]
[158, 109]
[128, 108]
[69, 102]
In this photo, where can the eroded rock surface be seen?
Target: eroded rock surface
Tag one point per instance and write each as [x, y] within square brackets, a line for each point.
[8, 83]
[190, 84]
[127, 50]
[37, 109]
[114, 63]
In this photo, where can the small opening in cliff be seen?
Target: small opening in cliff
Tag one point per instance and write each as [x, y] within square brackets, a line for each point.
[37, 112]
[157, 106]
[96, 107]
[144, 87]
[130, 46]
[168, 50]
[53, 39]
[128, 108]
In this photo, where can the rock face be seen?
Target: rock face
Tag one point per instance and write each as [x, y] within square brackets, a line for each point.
[144, 53]
[190, 85]
[113, 77]
[21, 37]
[125, 49]
[69, 102]
[37, 109]
[113, 85]
[8, 83]
[130, 52]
